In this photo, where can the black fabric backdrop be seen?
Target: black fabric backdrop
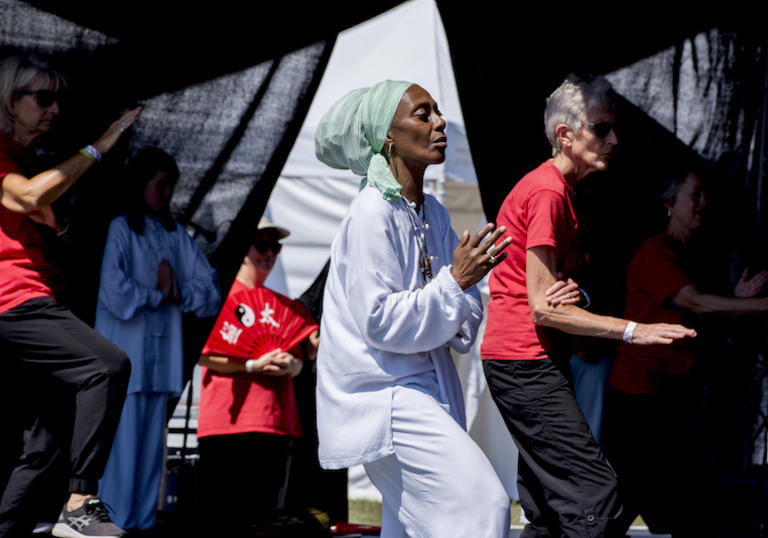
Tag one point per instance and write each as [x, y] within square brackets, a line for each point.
[226, 87]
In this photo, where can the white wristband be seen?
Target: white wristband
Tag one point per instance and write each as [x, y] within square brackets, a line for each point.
[629, 331]
[249, 365]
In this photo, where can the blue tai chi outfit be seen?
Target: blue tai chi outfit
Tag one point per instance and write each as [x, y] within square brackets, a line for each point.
[133, 314]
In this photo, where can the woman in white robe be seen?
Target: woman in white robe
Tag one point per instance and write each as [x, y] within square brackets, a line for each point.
[400, 293]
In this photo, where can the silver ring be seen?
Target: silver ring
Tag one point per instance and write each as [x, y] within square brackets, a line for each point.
[493, 259]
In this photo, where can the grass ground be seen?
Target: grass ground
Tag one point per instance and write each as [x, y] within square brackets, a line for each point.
[369, 513]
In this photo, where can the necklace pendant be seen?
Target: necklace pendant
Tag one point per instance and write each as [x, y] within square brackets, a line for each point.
[427, 268]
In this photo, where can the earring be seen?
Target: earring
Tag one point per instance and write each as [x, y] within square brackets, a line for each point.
[669, 212]
[392, 163]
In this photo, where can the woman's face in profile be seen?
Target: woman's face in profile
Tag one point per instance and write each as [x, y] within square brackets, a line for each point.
[35, 110]
[158, 192]
[417, 132]
[589, 149]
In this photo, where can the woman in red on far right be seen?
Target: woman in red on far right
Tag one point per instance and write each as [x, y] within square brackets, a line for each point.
[651, 435]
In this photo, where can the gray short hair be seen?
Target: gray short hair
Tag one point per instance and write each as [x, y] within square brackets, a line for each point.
[568, 104]
[16, 74]
[677, 172]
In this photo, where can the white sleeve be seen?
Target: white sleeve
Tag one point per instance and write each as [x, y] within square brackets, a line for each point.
[465, 337]
[389, 317]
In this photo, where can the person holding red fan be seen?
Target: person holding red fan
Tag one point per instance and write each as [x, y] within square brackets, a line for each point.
[248, 415]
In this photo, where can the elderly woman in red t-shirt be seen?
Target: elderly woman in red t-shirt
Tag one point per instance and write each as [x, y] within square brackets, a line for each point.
[566, 486]
[652, 410]
[248, 415]
[40, 337]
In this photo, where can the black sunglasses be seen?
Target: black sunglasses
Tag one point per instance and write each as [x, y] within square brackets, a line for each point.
[263, 245]
[44, 98]
[601, 128]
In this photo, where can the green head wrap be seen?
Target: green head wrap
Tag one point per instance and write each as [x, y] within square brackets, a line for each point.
[352, 133]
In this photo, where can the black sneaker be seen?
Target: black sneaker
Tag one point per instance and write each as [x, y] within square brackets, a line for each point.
[88, 521]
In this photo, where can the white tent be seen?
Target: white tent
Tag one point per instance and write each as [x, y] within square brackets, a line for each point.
[405, 43]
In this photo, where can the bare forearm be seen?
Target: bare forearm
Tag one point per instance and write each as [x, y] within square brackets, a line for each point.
[706, 303]
[540, 271]
[574, 320]
[222, 365]
[46, 187]
[25, 195]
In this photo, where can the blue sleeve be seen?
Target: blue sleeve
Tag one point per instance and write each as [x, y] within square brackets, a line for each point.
[200, 292]
[119, 291]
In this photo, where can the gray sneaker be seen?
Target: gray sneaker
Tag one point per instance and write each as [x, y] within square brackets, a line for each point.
[88, 521]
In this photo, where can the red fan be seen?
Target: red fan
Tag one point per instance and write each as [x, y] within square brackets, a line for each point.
[255, 321]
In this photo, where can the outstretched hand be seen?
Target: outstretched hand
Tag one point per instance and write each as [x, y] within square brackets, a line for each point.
[473, 258]
[116, 130]
[750, 287]
[660, 333]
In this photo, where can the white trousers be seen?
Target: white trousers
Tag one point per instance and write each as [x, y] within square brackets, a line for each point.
[438, 483]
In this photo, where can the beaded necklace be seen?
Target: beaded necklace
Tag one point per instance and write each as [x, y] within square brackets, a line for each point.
[425, 265]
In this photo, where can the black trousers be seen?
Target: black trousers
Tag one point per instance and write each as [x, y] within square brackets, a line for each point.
[67, 387]
[566, 486]
[240, 479]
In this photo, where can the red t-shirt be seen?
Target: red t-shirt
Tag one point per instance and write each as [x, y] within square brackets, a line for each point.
[248, 402]
[537, 212]
[24, 272]
[654, 276]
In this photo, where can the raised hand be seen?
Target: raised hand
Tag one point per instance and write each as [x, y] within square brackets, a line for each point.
[750, 287]
[116, 130]
[473, 258]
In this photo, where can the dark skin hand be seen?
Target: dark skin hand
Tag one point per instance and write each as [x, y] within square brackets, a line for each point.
[473, 257]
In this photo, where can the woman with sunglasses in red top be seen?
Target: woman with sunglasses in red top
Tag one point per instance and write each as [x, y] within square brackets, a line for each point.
[566, 486]
[42, 340]
[248, 416]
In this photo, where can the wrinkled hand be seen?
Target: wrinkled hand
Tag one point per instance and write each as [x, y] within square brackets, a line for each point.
[473, 258]
[113, 133]
[750, 287]
[278, 363]
[563, 292]
[660, 333]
